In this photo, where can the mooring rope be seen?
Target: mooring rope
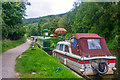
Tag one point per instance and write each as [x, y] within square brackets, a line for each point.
[59, 68]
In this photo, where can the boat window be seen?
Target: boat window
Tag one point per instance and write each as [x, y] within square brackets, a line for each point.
[66, 48]
[74, 42]
[61, 47]
[94, 44]
[57, 46]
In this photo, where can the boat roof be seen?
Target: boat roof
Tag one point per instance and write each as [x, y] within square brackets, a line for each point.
[86, 35]
[41, 37]
[64, 42]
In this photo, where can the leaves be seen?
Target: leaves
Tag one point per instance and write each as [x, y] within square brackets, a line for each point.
[12, 15]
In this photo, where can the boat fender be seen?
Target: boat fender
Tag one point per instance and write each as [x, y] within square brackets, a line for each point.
[65, 58]
[94, 65]
[82, 69]
[114, 68]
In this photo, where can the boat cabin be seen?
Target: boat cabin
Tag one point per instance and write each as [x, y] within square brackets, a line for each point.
[89, 45]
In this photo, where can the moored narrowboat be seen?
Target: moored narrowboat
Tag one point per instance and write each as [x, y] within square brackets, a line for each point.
[46, 43]
[87, 54]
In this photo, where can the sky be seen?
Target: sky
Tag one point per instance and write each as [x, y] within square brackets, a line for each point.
[39, 8]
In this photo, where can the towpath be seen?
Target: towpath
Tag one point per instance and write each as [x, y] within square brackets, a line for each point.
[9, 59]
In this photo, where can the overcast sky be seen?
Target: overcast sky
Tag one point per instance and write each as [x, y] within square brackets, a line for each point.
[48, 7]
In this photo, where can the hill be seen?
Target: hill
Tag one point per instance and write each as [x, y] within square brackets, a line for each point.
[36, 20]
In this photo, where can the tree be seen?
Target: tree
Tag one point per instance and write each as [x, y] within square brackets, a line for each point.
[12, 15]
[32, 29]
[54, 24]
[13, 12]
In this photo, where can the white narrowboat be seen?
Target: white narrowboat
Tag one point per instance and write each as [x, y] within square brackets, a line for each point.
[87, 54]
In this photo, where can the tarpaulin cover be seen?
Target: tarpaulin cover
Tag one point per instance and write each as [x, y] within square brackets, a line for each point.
[86, 35]
[82, 47]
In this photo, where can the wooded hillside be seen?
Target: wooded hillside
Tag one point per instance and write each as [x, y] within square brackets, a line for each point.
[87, 17]
[36, 20]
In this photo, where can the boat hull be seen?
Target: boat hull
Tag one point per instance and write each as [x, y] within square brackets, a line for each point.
[81, 66]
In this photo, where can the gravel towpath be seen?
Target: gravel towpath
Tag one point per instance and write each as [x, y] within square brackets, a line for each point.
[9, 59]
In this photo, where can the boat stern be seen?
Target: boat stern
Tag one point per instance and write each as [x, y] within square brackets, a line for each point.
[100, 65]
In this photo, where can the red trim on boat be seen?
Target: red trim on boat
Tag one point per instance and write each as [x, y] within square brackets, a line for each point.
[85, 62]
[111, 61]
[60, 54]
[75, 60]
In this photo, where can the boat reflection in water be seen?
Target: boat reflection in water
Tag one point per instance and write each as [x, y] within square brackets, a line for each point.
[87, 54]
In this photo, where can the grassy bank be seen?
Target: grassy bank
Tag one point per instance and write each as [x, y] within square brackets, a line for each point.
[44, 65]
[8, 44]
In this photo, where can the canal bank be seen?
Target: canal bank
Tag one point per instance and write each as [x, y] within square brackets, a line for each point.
[35, 63]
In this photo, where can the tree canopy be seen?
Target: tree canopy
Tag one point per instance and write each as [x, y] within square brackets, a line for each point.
[12, 24]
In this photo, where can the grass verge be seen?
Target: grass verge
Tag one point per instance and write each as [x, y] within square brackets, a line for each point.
[8, 44]
[44, 65]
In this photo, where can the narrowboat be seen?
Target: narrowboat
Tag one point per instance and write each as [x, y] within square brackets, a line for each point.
[86, 54]
[47, 43]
